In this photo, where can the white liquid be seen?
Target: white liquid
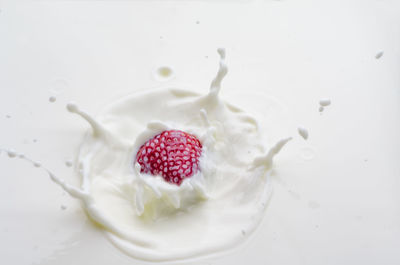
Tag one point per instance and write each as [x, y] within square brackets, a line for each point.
[11, 153]
[151, 219]
[379, 55]
[303, 132]
[164, 73]
[324, 102]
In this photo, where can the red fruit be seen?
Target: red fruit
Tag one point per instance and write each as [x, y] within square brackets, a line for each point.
[173, 154]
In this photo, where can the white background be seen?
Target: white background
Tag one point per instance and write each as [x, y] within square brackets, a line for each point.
[336, 197]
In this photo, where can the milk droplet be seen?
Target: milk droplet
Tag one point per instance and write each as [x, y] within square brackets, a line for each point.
[324, 102]
[164, 73]
[37, 164]
[379, 55]
[52, 99]
[72, 107]
[11, 153]
[63, 207]
[303, 132]
[68, 163]
[321, 109]
[22, 156]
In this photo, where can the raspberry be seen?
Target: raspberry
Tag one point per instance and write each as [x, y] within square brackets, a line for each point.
[172, 154]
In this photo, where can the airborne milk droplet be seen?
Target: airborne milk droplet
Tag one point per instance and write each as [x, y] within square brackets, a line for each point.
[303, 132]
[324, 102]
[379, 55]
[12, 153]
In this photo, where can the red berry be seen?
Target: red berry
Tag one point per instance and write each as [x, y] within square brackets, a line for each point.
[172, 154]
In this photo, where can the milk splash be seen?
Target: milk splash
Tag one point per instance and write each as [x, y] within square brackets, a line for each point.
[151, 219]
